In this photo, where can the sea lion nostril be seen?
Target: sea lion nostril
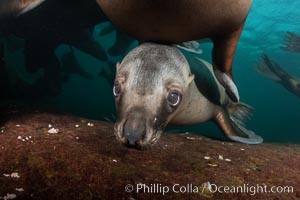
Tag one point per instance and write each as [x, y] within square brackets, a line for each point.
[135, 145]
[134, 130]
[132, 140]
[134, 135]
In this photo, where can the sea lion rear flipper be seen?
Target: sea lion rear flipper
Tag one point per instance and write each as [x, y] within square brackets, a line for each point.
[272, 70]
[292, 42]
[232, 124]
[265, 68]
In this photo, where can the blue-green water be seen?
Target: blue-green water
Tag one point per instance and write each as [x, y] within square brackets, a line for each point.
[277, 111]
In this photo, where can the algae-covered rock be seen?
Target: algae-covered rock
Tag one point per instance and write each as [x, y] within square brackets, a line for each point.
[84, 161]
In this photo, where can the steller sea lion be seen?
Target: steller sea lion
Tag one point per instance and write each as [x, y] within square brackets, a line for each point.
[176, 21]
[270, 69]
[155, 87]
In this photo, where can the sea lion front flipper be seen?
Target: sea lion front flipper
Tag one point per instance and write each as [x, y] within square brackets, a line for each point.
[234, 129]
[223, 53]
[190, 46]
[228, 84]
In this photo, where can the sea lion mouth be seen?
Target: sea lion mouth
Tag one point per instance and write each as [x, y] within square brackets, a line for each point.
[149, 138]
[145, 144]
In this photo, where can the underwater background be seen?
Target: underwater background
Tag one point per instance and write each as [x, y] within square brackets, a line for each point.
[277, 111]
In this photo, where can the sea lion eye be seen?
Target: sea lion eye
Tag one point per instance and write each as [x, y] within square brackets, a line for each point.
[174, 98]
[117, 89]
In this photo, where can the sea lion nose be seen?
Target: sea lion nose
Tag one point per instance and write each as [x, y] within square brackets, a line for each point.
[134, 129]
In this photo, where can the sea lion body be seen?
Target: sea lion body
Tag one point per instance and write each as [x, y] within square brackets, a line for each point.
[176, 20]
[154, 86]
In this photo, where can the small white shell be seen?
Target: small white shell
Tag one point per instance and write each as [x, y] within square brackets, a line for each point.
[221, 157]
[53, 130]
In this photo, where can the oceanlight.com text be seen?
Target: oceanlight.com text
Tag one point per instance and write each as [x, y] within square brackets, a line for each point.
[251, 189]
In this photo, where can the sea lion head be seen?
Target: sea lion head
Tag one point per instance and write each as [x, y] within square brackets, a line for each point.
[149, 88]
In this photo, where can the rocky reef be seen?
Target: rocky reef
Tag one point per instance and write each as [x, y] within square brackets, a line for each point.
[46, 155]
